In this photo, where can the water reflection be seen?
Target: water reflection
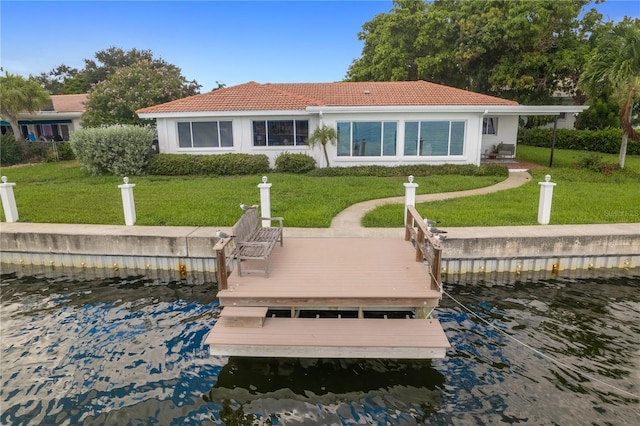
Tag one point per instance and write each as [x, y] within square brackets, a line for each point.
[411, 388]
[130, 351]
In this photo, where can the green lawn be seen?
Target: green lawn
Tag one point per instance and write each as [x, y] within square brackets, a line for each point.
[579, 197]
[63, 193]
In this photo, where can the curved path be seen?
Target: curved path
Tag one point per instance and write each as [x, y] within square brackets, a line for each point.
[350, 218]
[347, 223]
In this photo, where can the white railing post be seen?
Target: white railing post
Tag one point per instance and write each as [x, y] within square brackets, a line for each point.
[8, 200]
[546, 196]
[265, 200]
[128, 204]
[409, 196]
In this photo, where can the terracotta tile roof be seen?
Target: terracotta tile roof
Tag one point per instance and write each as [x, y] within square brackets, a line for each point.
[298, 96]
[69, 103]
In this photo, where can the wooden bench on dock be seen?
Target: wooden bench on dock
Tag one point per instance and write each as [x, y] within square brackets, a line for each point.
[254, 241]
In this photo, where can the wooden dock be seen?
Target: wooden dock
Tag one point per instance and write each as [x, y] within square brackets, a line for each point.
[336, 298]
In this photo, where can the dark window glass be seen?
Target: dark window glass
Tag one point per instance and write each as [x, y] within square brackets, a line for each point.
[411, 138]
[205, 134]
[259, 133]
[457, 138]
[435, 138]
[344, 139]
[184, 135]
[226, 134]
[389, 138]
[302, 132]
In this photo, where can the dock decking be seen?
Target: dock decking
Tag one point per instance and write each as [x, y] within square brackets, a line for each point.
[327, 272]
[332, 338]
[371, 298]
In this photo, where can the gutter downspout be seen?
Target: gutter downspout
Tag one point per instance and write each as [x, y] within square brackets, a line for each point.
[479, 154]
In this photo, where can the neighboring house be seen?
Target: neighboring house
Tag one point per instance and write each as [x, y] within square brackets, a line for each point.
[563, 120]
[55, 121]
[386, 123]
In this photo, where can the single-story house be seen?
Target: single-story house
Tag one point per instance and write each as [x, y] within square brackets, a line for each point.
[385, 123]
[53, 122]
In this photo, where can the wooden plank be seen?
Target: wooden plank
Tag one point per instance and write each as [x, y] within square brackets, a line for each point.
[243, 316]
[332, 337]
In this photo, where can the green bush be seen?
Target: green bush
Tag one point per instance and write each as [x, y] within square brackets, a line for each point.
[65, 152]
[222, 164]
[10, 150]
[294, 163]
[118, 150]
[415, 170]
[594, 163]
[607, 141]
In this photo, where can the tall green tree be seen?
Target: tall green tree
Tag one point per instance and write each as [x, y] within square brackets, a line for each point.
[62, 80]
[19, 94]
[127, 89]
[614, 68]
[67, 80]
[523, 50]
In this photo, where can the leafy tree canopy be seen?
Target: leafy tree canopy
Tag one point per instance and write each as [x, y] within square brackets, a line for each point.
[67, 80]
[614, 70]
[524, 50]
[19, 94]
[141, 84]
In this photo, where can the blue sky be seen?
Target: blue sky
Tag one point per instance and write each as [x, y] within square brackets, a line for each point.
[228, 41]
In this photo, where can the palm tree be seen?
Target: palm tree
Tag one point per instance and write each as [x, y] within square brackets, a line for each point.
[614, 67]
[17, 95]
[323, 135]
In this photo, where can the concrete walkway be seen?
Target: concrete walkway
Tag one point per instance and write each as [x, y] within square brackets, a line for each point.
[348, 223]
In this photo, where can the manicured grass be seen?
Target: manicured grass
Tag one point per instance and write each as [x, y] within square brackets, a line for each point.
[567, 157]
[580, 197]
[62, 193]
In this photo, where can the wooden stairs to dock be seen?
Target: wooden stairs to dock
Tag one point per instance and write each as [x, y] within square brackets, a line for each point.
[364, 277]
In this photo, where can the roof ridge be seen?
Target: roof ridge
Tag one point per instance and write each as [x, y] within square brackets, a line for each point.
[308, 99]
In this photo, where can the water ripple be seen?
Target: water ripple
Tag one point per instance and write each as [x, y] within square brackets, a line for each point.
[131, 351]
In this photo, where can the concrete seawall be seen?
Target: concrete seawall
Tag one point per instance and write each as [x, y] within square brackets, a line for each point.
[183, 252]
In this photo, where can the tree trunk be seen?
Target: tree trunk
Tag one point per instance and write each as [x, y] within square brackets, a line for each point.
[623, 149]
[17, 133]
[326, 157]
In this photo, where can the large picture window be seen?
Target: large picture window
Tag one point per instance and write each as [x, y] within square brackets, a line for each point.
[280, 132]
[437, 138]
[205, 134]
[367, 138]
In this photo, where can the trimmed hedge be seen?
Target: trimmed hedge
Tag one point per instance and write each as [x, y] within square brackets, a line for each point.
[416, 170]
[222, 164]
[606, 141]
[22, 152]
[118, 150]
[294, 163]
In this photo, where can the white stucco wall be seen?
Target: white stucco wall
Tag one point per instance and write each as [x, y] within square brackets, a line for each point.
[474, 145]
[507, 133]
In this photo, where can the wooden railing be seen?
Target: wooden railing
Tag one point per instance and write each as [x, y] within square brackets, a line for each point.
[427, 246]
[224, 250]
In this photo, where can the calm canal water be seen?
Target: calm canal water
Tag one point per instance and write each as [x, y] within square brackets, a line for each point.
[130, 351]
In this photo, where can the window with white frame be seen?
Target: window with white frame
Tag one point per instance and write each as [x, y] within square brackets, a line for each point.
[205, 134]
[438, 138]
[490, 126]
[280, 132]
[367, 138]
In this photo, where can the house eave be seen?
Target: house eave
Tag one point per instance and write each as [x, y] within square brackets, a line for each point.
[203, 114]
[535, 109]
[49, 115]
[313, 110]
